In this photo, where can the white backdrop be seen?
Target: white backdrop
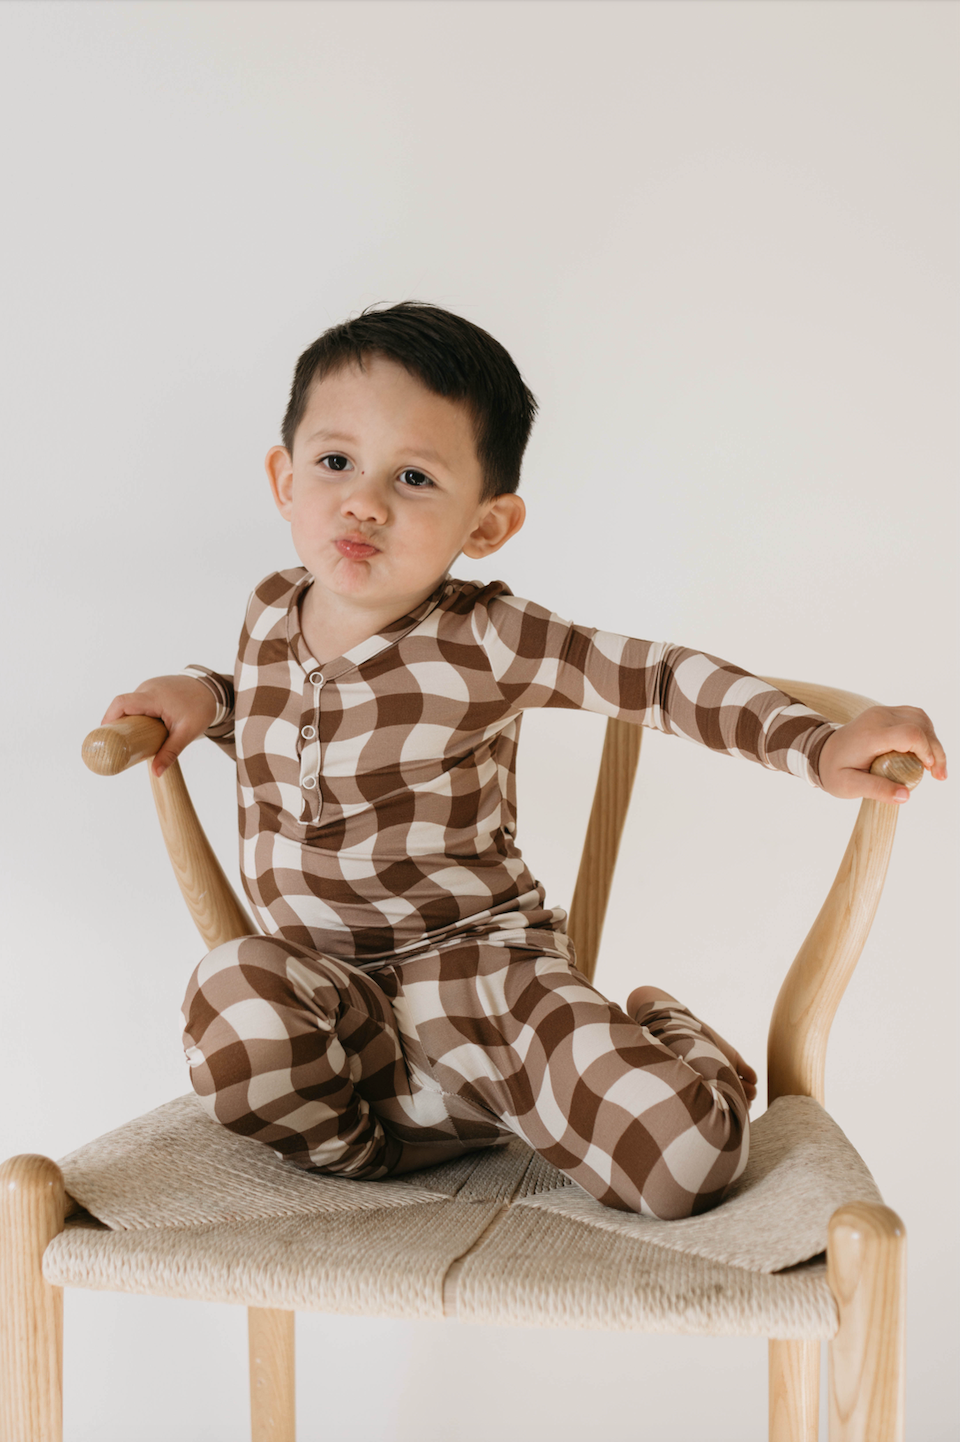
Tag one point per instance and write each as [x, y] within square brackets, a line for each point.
[720, 241]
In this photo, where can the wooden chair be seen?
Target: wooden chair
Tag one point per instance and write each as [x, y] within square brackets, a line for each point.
[859, 1291]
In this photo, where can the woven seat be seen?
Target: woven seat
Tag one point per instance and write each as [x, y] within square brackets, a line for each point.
[177, 1206]
[174, 1205]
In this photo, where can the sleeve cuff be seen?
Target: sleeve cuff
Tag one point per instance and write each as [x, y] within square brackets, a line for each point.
[217, 686]
[819, 739]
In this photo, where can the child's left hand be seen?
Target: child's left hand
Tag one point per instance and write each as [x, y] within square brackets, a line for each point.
[849, 753]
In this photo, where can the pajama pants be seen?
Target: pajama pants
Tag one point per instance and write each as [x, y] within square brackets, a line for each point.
[368, 1073]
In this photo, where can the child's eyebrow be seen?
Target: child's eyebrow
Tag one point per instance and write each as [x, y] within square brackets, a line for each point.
[330, 437]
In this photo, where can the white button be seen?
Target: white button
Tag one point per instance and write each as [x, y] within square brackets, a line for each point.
[308, 732]
[309, 782]
[317, 678]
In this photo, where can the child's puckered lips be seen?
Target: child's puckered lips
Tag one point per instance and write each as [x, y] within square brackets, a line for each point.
[355, 547]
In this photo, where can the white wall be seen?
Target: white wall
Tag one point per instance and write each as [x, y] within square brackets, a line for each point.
[720, 240]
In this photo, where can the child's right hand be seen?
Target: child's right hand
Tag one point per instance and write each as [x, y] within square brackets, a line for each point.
[185, 706]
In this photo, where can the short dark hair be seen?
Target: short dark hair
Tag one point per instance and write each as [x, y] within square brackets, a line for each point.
[452, 357]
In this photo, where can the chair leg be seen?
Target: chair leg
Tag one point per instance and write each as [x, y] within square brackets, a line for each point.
[866, 1268]
[272, 1393]
[32, 1204]
[794, 1370]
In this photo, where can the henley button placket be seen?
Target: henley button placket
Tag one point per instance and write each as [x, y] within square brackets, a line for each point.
[310, 755]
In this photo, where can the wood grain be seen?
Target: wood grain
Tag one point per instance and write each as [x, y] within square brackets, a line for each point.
[900, 766]
[866, 1269]
[611, 800]
[814, 985]
[828, 701]
[272, 1341]
[120, 744]
[211, 900]
[811, 993]
[794, 1391]
[31, 1311]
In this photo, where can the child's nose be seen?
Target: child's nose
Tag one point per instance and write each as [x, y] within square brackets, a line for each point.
[366, 500]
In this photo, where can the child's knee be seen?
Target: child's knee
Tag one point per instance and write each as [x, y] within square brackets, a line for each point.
[214, 985]
[238, 1001]
[202, 1001]
[255, 969]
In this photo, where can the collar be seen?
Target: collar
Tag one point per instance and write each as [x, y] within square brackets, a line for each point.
[393, 632]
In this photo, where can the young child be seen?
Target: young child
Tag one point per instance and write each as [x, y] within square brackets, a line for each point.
[414, 996]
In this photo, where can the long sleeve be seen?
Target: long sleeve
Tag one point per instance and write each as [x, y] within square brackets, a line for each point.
[538, 659]
[221, 687]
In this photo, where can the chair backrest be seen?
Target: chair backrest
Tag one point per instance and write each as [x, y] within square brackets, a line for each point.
[814, 985]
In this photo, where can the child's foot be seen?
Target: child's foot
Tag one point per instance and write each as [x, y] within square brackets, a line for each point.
[643, 999]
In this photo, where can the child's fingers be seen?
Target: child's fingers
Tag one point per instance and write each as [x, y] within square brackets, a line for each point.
[164, 758]
[873, 788]
[849, 753]
[184, 705]
[136, 703]
[939, 767]
[907, 728]
[917, 736]
[178, 738]
[129, 703]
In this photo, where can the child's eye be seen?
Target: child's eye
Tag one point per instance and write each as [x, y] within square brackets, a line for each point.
[335, 462]
[416, 479]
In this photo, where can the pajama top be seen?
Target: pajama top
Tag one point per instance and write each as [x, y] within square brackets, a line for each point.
[377, 793]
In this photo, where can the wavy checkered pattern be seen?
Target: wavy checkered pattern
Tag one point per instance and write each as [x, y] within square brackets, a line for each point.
[415, 997]
[377, 793]
[340, 1070]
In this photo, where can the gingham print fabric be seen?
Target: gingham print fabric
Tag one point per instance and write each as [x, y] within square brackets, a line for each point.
[377, 792]
[364, 1074]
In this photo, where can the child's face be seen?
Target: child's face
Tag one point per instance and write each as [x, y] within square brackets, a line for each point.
[383, 488]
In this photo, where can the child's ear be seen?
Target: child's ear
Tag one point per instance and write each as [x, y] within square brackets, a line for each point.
[280, 475]
[502, 520]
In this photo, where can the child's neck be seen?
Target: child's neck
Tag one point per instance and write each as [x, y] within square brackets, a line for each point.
[332, 625]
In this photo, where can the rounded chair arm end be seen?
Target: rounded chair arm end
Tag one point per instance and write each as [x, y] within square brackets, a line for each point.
[113, 748]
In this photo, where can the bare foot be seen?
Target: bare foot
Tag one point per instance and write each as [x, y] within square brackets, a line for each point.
[639, 1001]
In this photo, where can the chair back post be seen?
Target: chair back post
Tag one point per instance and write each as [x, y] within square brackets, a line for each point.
[813, 987]
[611, 801]
[211, 900]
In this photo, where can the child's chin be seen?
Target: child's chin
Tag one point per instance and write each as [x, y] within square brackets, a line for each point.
[351, 578]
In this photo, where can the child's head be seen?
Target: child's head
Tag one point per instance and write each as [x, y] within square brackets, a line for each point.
[451, 357]
[402, 449]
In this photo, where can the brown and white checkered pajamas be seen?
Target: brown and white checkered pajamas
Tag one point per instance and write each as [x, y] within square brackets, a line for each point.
[413, 988]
